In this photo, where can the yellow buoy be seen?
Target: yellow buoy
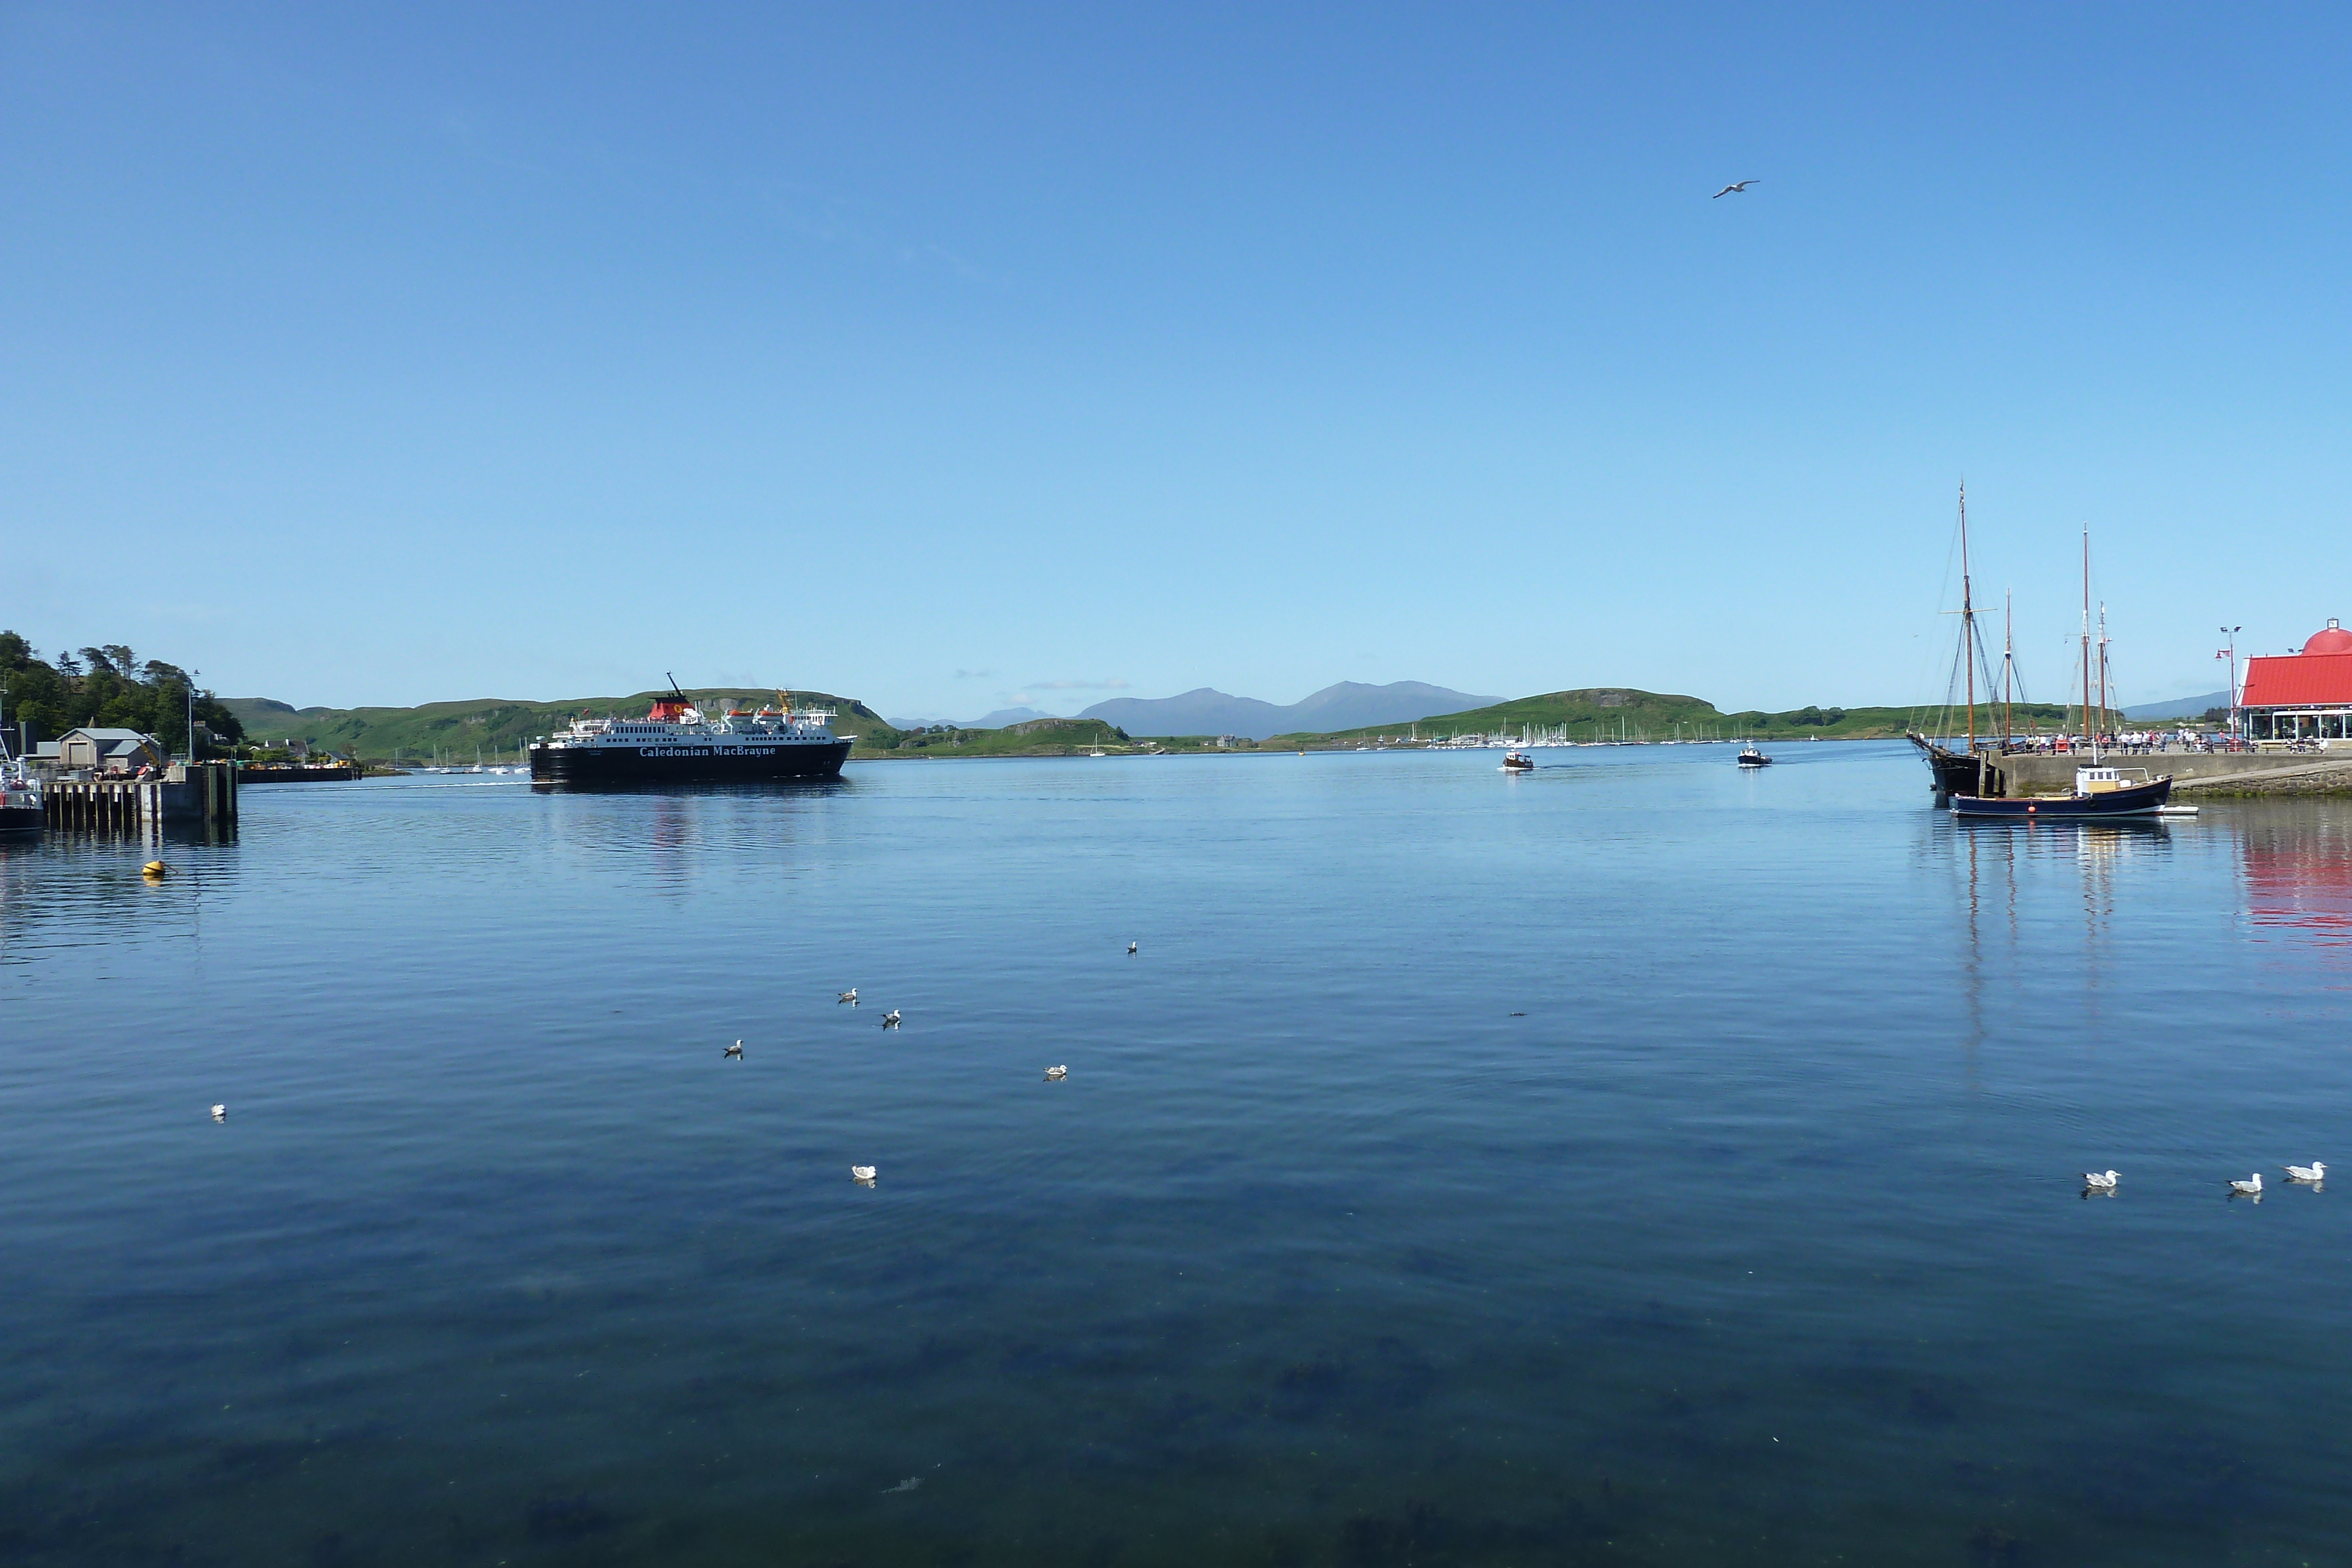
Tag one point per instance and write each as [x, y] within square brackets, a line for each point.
[154, 870]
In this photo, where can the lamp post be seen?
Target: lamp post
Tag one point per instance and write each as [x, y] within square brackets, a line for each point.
[2231, 654]
[192, 716]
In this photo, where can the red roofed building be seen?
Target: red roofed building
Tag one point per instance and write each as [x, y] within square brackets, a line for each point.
[2306, 695]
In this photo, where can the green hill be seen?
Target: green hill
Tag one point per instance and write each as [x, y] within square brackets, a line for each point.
[496, 725]
[1615, 713]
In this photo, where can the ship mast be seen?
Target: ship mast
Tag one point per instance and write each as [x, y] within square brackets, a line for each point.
[1967, 621]
[2086, 643]
[2103, 666]
[2008, 663]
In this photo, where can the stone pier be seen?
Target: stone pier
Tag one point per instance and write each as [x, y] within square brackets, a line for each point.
[2195, 773]
[205, 792]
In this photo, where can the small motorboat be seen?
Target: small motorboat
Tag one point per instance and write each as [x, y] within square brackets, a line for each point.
[2099, 792]
[21, 811]
[1518, 762]
[1751, 757]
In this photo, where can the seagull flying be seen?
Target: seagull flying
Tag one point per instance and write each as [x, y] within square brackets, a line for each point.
[220, 1112]
[2313, 1172]
[890, 1019]
[2101, 1181]
[2252, 1185]
[736, 1049]
[1057, 1073]
[849, 996]
[1729, 190]
[861, 1172]
[1130, 949]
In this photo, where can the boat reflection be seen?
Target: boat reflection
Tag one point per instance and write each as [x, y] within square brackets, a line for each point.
[2296, 859]
[2010, 870]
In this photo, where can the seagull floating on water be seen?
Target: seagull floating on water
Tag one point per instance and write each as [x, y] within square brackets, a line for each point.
[2100, 1181]
[736, 1049]
[861, 1172]
[2252, 1186]
[2314, 1173]
[220, 1112]
[1130, 949]
[1734, 190]
[1057, 1073]
[890, 1019]
[849, 996]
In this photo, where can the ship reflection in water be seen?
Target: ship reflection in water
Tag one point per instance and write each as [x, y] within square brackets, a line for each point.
[2298, 871]
[2011, 921]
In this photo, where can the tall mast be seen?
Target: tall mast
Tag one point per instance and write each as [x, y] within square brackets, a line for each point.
[2008, 663]
[2103, 665]
[1968, 621]
[2086, 641]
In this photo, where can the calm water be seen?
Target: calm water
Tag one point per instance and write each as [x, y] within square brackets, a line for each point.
[1757, 1239]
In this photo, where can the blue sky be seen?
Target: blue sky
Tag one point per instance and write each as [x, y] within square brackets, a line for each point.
[950, 356]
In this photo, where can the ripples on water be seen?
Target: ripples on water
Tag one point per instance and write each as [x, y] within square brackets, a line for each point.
[1756, 1239]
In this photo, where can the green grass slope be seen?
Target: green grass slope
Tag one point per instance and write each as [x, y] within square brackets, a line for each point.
[1611, 712]
[1595, 712]
[495, 725]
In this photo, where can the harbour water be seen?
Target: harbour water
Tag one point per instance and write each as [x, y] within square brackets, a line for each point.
[1636, 1162]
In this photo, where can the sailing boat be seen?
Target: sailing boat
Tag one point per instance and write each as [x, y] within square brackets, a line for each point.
[1969, 771]
[2100, 791]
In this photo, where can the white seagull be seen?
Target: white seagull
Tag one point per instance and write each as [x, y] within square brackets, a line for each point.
[1729, 190]
[220, 1112]
[849, 996]
[861, 1172]
[736, 1049]
[2252, 1185]
[1057, 1073]
[2102, 1181]
[890, 1019]
[2313, 1172]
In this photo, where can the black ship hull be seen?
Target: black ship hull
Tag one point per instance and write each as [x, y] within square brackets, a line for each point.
[1958, 773]
[2132, 800]
[20, 822]
[686, 763]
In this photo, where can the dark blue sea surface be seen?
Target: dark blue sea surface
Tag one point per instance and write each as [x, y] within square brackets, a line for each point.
[1639, 1162]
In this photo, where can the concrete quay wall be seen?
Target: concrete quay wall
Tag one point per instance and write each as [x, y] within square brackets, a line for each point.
[2220, 773]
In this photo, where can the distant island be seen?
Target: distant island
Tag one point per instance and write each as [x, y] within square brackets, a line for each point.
[497, 729]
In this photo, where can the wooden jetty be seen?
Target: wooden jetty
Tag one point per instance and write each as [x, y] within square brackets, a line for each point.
[205, 792]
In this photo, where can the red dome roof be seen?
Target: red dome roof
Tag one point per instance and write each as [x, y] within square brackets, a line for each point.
[2331, 639]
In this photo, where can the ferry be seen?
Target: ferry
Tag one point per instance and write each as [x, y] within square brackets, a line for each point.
[677, 743]
[1518, 762]
[1751, 757]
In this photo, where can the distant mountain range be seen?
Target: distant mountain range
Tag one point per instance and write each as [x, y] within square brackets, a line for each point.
[998, 720]
[1350, 705]
[2180, 708]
